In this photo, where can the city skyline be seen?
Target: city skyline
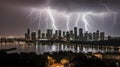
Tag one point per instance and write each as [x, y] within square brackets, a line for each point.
[16, 16]
[77, 34]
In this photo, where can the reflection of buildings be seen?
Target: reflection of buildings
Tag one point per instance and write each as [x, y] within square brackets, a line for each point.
[73, 35]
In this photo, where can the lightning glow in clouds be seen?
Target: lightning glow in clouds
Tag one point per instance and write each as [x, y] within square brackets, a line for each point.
[53, 13]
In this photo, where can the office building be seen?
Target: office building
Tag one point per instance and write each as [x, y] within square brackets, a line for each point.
[94, 36]
[80, 34]
[90, 37]
[39, 34]
[33, 35]
[102, 36]
[43, 35]
[64, 34]
[75, 33]
[86, 36]
[97, 35]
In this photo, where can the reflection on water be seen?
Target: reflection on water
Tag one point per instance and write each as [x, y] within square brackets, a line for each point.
[40, 48]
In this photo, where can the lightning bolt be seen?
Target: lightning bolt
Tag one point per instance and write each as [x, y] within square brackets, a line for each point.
[112, 12]
[49, 13]
[47, 21]
[52, 18]
[115, 18]
[68, 20]
[85, 22]
[39, 20]
[77, 20]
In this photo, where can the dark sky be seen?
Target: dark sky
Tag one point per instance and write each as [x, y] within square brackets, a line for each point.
[15, 15]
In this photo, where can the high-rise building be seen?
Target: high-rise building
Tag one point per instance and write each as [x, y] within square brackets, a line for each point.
[109, 37]
[71, 35]
[39, 34]
[80, 34]
[64, 34]
[49, 33]
[33, 35]
[28, 34]
[86, 36]
[75, 33]
[56, 33]
[59, 34]
[68, 35]
[97, 35]
[43, 35]
[90, 36]
[102, 36]
[94, 36]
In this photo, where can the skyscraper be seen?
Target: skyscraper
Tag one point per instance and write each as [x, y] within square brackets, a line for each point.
[94, 36]
[28, 34]
[102, 36]
[49, 33]
[86, 36]
[43, 35]
[64, 34]
[80, 34]
[59, 34]
[33, 35]
[68, 35]
[90, 36]
[75, 33]
[97, 35]
[71, 35]
[39, 34]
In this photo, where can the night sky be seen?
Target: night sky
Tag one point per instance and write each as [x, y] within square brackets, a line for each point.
[17, 15]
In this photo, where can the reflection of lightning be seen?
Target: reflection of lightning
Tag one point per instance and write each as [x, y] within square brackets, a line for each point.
[77, 20]
[52, 18]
